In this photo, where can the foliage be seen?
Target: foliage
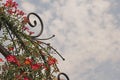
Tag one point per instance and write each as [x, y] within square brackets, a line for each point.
[27, 58]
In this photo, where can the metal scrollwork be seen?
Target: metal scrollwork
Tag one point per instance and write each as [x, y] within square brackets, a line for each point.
[63, 74]
[39, 34]
[35, 23]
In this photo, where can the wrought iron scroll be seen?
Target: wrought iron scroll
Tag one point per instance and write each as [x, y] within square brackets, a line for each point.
[41, 31]
[63, 74]
[35, 23]
[39, 34]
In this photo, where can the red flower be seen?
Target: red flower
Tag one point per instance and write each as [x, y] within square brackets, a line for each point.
[36, 66]
[51, 61]
[45, 67]
[12, 59]
[10, 3]
[1, 60]
[10, 48]
[28, 61]
[25, 20]
[19, 12]
[10, 11]
[25, 28]
[12, 8]
[26, 78]
[18, 63]
[30, 32]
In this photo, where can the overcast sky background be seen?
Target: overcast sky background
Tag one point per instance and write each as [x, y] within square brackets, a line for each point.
[87, 35]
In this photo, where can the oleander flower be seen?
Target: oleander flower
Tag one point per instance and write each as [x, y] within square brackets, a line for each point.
[36, 66]
[10, 48]
[26, 78]
[28, 61]
[13, 59]
[11, 3]
[25, 20]
[1, 60]
[52, 61]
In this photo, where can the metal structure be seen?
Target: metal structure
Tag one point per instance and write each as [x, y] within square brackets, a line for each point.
[3, 50]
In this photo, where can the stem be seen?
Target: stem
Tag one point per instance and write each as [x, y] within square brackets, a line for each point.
[11, 38]
[55, 51]
[4, 51]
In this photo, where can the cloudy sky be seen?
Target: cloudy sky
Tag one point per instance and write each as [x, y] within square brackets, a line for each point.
[87, 35]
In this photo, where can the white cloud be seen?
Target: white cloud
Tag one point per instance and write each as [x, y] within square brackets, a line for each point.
[45, 1]
[28, 7]
[87, 31]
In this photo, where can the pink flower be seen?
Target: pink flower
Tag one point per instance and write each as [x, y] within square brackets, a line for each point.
[10, 3]
[25, 20]
[12, 59]
[19, 12]
[25, 28]
[51, 61]
[26, 78]
[10, 11]
[30, 32]
[36, 66]
[1, 60]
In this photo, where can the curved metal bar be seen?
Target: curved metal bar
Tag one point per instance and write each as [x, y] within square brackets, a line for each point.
[46, 38]
[54, 50]
[4, 51]
[35, 23]
[63, 75]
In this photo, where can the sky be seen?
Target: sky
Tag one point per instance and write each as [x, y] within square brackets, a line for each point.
[87, 35]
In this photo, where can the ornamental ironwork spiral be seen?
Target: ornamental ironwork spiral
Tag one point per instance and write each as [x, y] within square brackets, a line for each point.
[34, 24]
[63, 74]
[39, 34]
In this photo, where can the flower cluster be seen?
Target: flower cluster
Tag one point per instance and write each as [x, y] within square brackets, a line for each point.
[34, 66]
[28, 64]
[26, 58]
[51, 61]
[1, 60]
[11, 7]
[27, 29]
[12, 59]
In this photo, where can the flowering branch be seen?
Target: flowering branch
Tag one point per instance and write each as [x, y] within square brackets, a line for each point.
[27, 57]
